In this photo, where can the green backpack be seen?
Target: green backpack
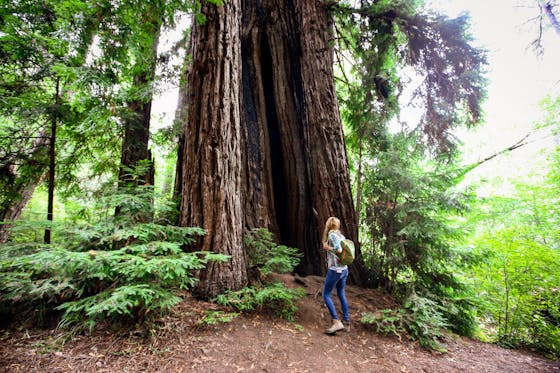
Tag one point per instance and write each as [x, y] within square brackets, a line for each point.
[347, 255]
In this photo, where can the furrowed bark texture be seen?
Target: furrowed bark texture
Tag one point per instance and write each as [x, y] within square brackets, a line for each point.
[287, 146]
[212, 188]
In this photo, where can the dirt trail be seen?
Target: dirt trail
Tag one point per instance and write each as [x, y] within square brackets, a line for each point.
[257, 343]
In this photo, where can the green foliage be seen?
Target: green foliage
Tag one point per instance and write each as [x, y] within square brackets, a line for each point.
[410, 221]
[217, 317]
[517, 235]
[406, 181]
[420, 317]
[385, 41]
[424, 321]
[44, 80]
[80, 64]
[116, 269]
[274, 297]
[132, 301]
[386, 321]
[518, 283]
[268, 257]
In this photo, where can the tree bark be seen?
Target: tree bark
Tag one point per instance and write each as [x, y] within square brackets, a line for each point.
[52, 161]
[211, 188]
[296, 169]
[137, 123]
[18, 182]
[262, 84]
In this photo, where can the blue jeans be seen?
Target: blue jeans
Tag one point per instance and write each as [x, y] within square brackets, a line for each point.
[339, 279]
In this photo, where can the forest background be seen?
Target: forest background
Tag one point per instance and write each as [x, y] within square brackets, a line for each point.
[456, 254]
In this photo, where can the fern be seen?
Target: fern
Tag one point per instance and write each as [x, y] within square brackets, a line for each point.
[385, 321]
[275, 297]
[420, 317]
[129, 272]
[266, 257]
[216, 317]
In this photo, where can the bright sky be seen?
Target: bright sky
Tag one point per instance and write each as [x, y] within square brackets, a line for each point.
[518, 80]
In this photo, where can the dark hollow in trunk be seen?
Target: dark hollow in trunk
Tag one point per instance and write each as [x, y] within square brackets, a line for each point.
[292, 162]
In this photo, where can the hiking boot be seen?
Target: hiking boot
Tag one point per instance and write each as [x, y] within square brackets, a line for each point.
[336, 326]
[346, 325]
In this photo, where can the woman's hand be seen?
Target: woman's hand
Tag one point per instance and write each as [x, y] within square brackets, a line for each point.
[327, 247]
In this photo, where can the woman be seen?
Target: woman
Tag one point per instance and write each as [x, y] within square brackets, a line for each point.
[337, 274]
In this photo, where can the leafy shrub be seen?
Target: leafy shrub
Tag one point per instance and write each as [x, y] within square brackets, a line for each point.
[216, 317]
[411, 220]
[275, 297]
[424, 321]
[265, 257]
[117, 269]
[385, 321]
[268, 257]
[518, 283]
[420, 317]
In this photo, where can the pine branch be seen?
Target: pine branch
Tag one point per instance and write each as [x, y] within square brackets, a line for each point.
[510, 148]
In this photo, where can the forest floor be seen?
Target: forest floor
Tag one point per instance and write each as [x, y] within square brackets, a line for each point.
[257, 342]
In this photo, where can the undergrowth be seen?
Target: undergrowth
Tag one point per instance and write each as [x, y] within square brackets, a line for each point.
[125, 267]
[265, 258]
[419, 318]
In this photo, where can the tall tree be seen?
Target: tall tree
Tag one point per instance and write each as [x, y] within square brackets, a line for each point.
[36, 55]
[263, 143]
[140, 43]
[104, 60]
[22, 168]
[211, 186]
[52, 160]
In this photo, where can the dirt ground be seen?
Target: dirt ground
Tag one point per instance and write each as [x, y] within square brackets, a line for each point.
[258, 343]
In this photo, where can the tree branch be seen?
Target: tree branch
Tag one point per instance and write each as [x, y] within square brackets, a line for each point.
[547, 9]
[517, 145]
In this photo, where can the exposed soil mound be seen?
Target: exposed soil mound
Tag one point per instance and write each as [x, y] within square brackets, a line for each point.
[257, 343]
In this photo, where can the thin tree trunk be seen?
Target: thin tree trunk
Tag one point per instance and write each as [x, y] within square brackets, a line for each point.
[359, 182]
[506, 300]
[23, 193]
[365, 122]
[20, 181]
[135, 149]
[180, 125]
[52, 161]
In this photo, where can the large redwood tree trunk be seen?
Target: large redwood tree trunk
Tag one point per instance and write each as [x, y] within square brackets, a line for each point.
[211, 188]
[264, 145]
